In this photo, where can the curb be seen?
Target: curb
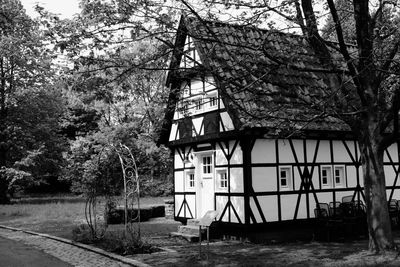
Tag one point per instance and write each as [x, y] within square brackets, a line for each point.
[113, 256]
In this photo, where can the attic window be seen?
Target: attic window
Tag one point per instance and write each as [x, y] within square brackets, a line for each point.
[198, 105]
[213, 101]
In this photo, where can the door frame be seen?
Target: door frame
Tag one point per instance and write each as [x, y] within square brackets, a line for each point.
[199, 179]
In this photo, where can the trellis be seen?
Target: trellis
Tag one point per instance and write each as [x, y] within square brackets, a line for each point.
[131, 194]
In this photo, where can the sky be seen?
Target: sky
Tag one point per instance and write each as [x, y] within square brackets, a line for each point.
[64, 8]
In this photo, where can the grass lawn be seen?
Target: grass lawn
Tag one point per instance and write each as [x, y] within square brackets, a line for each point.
[52, 218]
[60, 219]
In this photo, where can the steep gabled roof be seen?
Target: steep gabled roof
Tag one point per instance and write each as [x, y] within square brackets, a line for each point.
[267, 79]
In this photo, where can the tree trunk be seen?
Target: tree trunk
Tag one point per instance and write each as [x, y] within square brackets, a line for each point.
[379, 224]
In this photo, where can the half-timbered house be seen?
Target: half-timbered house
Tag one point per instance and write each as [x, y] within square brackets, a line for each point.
[245, 141]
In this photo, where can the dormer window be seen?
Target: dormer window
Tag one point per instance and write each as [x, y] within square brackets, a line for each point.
[198, 105]
[213, 101]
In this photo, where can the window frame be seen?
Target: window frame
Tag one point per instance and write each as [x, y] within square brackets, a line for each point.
[219, 180]
[329, 178]
[198, 104]
[213, 99]
[342, 177]
[207, 165]
[191, 184]
[288, 179]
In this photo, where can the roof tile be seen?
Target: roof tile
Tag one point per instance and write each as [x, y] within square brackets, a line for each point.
[261, 71]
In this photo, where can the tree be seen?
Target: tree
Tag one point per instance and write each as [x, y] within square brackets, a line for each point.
[29, 107]
[345, 12]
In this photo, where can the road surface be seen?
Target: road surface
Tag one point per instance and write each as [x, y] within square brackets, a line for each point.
[16, 254]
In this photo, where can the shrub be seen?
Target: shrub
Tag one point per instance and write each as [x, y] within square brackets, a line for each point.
[126, 244]
[156, 188]
[82, 234]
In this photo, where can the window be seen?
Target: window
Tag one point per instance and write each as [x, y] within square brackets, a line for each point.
[213, 101]
[184, 108]
[222, 179]
[285, 178]
[190, 179]
[326, 176]
[193, 131]
[339, 176]
[207, 164]
[198, 105]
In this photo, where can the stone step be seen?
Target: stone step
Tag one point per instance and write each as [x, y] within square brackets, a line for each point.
[188, 237]
[190, 229]
[193, 222]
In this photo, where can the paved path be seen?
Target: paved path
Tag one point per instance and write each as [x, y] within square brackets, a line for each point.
[67, 253]
[13, 254]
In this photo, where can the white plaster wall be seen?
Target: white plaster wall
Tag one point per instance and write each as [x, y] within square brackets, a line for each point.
[311, 146]
[263, 151]
[209, 81]
[221, 104]
[312, 205]
[296, 175]
[238, 203]
[220, 158]
[361, 177]
[220, 205]
[299, 149]
[285, 152]
[302, 212]
[237, 157]
[269, 206]
[191, 201]
[236, 180]
[172, 134]
[315, 178]
[178, 163]
[264, 179]
[339, 152]
[393, 153]
[288, 206]
[390, 175]
[227, 121]
[254, 209]
[352, 176]
[197, 125]
[196, 86]
[324, 198]
[178, 203]
[324, 154]
[179, 181]
[198, 61]
[396, 194]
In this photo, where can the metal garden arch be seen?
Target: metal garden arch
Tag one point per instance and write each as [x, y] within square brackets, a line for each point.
[131, 192]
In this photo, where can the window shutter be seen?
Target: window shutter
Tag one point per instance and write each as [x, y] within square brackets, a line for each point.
[211, 123]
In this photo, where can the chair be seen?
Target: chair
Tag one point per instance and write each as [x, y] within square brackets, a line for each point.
[322, 211]
[394, 209]
[393, 205]
[359, 208]
[348, 209]
[335, 209]
[347, 199]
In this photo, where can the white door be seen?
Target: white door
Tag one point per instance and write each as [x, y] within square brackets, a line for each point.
[205, 199]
